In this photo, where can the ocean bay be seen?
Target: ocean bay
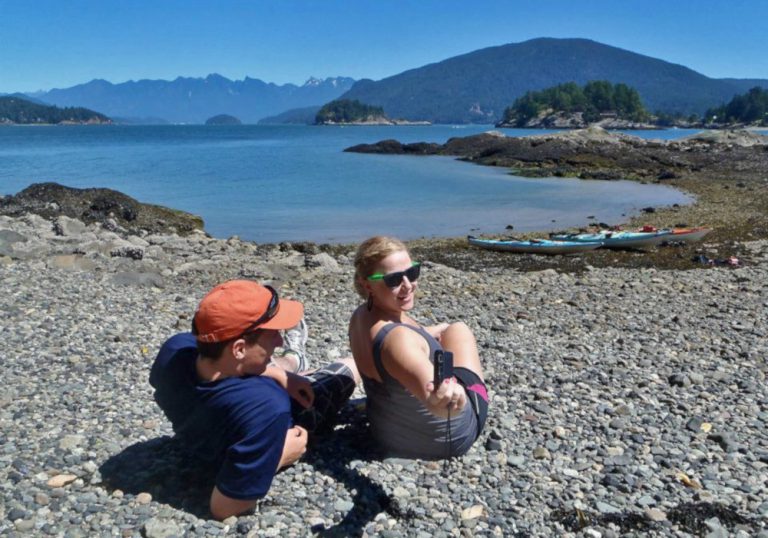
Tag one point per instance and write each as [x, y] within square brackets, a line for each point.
[278, 183]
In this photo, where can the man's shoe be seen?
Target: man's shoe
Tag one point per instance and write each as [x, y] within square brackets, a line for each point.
[295, 343]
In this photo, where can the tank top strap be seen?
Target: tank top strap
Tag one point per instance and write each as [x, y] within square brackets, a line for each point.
[378, 342]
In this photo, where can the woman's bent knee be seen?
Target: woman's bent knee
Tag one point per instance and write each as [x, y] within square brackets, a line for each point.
[458, 332]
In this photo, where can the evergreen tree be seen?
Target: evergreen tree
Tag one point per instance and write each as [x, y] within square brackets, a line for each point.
[595, 98]
[599, 94]
[750, 108]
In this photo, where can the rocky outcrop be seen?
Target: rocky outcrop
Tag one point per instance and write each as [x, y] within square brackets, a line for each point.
[737, 137]
[375, 120]
[598, 154]
[575, 120]
[110, 209]
[393, 147]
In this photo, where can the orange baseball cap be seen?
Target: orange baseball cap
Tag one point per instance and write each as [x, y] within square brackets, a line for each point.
[234, 307]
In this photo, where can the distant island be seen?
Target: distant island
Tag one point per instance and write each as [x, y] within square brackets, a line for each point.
[618, 106]
[611, 106]
[223, 119]
[17, 111]
[353, 112]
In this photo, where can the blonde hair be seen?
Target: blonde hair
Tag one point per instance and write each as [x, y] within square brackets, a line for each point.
[371, 252]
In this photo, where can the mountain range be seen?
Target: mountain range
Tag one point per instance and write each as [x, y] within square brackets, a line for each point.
[194, 100]
[478, 86]
[470, 88]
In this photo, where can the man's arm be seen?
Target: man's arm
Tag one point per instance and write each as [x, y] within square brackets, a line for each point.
[222, 506]
[299, 388]
[295, 446]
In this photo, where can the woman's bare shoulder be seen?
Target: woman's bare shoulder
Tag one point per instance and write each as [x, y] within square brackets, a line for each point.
[403, 336]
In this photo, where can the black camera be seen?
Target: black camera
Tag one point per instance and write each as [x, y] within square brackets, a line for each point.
[443, 364]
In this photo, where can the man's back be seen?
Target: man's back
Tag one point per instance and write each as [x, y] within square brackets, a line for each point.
[237, 422]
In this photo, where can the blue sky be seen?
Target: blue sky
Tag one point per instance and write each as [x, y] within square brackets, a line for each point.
[46, 44]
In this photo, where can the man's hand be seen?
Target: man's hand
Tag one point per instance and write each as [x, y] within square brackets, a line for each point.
[300, 389]
[294, 447]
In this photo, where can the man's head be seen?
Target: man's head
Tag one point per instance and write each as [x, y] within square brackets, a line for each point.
[240, 309]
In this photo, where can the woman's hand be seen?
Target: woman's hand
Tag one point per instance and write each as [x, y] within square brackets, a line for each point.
[448, 398]
[437, 330]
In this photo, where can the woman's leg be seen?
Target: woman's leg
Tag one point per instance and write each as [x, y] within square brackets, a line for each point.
[458, 339]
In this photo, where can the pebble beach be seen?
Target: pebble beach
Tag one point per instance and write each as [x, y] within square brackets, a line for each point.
[624, 401]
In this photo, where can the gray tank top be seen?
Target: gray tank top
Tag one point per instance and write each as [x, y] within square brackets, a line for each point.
[401, 424]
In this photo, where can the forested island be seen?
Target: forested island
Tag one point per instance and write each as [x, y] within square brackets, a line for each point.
[353, 112]
[349, 111]
[618, 106]
[18, 111]
[223, 119]
[570, 105]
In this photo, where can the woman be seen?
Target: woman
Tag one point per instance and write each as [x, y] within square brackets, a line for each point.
[409, 416]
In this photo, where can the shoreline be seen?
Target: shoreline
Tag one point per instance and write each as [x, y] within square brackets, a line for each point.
[712, 207]
[734, 202]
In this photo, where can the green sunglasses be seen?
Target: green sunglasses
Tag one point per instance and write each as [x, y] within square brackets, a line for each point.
[393, 280]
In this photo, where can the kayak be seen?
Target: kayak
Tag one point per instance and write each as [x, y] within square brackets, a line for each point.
[534, 246]
[689, 234]
[618, 239]
[680, 234]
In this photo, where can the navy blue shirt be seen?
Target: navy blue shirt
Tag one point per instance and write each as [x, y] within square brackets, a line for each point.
[237, 423]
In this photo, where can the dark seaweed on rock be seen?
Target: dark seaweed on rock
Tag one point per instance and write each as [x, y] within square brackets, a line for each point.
[576, 520]
[693, 516]
[97, 205]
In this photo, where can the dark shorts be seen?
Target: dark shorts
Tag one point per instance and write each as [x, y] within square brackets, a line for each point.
[477, 393]
[333, 385]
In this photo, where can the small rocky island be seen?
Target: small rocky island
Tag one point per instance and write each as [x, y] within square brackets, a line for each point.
[570, 106]
[618, 106]
[223, 119]
[353, 112]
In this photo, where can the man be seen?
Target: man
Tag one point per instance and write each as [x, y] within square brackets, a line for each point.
[235, 405]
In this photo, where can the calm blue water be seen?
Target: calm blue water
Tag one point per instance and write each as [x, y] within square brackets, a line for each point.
[276, 183]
